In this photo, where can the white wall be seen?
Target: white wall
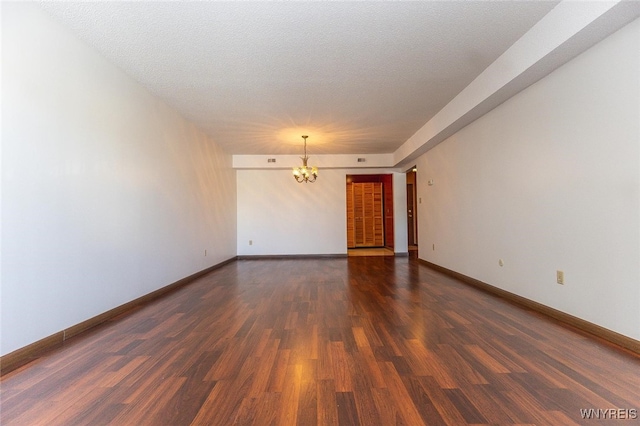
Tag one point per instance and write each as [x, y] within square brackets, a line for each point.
[107, 194]
[400, 232]
[283, 217]
[549, 180]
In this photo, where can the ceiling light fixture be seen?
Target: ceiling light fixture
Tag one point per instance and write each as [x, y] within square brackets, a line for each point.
[305, 173]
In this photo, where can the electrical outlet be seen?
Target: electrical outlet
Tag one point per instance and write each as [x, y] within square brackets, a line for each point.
[250, 242]
[560, 277]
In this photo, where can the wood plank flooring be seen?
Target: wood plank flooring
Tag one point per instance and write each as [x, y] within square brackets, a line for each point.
[351, 341]
[377, 251]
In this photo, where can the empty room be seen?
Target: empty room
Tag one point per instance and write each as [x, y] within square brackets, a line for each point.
[319, 213]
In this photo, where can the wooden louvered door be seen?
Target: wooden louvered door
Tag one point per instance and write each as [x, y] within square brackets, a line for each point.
[378, 216]
[365, 227]
[351, 232]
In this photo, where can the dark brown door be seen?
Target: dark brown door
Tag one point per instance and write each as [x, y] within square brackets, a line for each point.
[411, 214]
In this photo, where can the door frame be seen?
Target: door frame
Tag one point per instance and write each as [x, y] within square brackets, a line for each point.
[387, 194]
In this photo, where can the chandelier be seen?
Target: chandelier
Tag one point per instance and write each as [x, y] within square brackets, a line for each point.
[305, 173]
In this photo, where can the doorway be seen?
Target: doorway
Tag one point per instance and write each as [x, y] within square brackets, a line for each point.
[412, 214]
[370, 224]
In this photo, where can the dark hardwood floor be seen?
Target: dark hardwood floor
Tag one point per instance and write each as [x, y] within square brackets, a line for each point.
[360, 340]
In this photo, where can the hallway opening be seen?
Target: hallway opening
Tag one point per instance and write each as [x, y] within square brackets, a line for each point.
[370, 228]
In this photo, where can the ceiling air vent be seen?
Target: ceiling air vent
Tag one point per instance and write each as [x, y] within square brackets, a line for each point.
[271, 160]
[361, 160]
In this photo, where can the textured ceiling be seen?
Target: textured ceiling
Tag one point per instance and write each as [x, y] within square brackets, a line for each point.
[358, 77]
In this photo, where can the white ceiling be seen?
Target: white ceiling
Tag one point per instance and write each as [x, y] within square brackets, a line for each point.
[358, 77]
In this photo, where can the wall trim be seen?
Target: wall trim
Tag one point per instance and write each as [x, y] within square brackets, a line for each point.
[290, 256]
[25, 355]
[583, 325]
[304, 256]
